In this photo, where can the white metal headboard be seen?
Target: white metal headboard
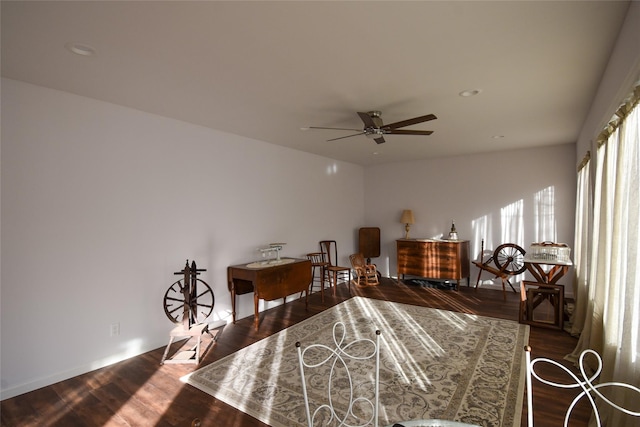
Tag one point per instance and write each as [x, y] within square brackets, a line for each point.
[338, 357]
[590, 389]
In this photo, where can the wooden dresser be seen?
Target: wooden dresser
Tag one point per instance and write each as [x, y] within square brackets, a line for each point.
[434, 259]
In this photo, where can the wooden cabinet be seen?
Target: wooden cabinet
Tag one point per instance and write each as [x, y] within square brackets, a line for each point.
[434, 259]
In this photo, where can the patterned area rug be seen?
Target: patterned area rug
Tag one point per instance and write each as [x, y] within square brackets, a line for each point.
[433, 364]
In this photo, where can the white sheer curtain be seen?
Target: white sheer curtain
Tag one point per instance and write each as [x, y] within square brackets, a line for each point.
[612, 304]
[582, 244]
[545, 215]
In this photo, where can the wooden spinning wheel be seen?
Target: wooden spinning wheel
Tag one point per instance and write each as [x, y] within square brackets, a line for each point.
[509, 260]
[190, 300]
[188, 303]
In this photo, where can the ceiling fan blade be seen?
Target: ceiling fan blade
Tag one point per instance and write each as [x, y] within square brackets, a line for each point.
[319, 127]
[409, 122]
[368, 121]
[408, 132]
[379, 140]
[348, 136]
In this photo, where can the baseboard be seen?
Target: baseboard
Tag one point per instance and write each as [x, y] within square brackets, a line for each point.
[8, 393]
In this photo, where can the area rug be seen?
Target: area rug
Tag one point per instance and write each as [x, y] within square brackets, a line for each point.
[433, 364]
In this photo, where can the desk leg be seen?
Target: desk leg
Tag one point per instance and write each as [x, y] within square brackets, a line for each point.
[233, 301]
[256, 314]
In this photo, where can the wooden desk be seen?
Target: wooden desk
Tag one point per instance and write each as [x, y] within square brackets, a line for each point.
[435, 259]
[268, 282]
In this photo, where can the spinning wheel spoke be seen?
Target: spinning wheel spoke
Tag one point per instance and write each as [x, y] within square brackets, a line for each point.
[205, 305]
[205, 292]
[174, 310]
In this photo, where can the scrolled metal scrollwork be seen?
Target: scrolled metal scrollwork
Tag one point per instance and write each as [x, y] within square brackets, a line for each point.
[590, 388]
[338, 358]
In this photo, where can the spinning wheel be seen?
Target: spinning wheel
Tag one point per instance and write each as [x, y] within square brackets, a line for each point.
[200, 302]
[190, 300]
[509, 258]
[188, 303]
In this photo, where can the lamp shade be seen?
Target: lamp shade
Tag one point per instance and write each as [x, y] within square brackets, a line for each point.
[407, 217]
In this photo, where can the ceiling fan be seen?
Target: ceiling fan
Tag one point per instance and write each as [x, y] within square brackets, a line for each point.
[375, 129]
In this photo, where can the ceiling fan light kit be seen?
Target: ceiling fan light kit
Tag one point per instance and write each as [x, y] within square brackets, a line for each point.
[375, 129]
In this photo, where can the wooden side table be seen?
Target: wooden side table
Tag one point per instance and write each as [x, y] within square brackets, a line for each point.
[533, 295]
[545, 288]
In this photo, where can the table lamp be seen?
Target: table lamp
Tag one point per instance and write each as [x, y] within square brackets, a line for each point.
[407, 219]
[453, 234]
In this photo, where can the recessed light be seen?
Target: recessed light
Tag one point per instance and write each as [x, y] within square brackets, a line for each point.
[375, 153]
[304, 128]
[469, 92]
[497, 136]
[80, 49]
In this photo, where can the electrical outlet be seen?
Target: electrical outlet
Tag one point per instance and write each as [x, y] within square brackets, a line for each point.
[115, 329]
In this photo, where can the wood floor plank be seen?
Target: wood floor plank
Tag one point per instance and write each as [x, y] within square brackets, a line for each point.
[141, 392]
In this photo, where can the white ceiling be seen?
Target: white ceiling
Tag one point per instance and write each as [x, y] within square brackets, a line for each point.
[267, 69]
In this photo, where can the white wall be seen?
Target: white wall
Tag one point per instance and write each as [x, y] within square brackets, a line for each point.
[477, 192]
[102, 204]
[622, 72]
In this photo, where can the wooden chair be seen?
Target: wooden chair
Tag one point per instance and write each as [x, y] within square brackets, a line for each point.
[317, 264]
[509, 261]
[334, 272]
[365, 274]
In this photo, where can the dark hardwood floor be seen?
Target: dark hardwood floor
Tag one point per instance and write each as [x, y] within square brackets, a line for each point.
[141, 392]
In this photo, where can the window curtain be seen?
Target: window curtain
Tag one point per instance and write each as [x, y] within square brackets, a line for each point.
[582, 245]
[609, 294]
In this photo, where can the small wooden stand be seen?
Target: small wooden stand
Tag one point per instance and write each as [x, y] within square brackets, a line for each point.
[535, 294]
